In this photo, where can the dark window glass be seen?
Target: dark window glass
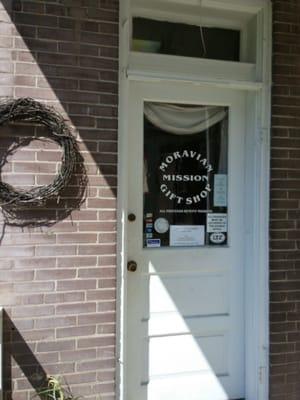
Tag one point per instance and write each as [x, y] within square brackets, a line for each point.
[185, 176]
[185, 40]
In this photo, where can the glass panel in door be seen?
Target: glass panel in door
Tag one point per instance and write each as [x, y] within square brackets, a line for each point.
[185, 175]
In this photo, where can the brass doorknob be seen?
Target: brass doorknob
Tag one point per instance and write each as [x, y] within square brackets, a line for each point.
[131, 217]
[131, 266]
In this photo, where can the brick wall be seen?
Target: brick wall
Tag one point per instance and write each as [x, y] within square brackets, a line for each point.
[57, 283]
[285, 204]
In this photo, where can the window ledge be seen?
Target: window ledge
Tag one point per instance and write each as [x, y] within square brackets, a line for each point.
[195, 70]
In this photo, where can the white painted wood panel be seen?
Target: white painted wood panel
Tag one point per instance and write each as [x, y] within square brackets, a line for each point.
[193, 293]
[174, 323]
[185, 354]
[157, 66]
[204, 386]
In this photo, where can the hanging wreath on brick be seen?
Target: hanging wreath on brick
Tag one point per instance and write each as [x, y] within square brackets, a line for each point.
[31, 111]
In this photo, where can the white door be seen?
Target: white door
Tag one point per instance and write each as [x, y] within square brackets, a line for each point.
[185, 301]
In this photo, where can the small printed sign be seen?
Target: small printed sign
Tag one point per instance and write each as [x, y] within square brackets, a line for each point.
[187, 235]
[153, 242]
[149, 235]
[216, 223]
[217, 238]
[220, 190]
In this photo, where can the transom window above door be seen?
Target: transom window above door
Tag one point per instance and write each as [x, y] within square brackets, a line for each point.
[163, 37]
[215, 30]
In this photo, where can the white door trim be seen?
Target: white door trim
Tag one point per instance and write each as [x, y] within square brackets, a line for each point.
[256, 201]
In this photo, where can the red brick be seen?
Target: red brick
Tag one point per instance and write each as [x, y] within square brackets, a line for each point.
[77, 261]
[106, 376]
[55, 34]
[22, 80]
[76, 331]
[102, 14]
[97, 226]
[75, 48]
[55, 322]
[78, 355]
[89, 273]
[39, 335]
[98, 318]
[35, 7]
[104, 306]
[19, 180]
[57, 345]
[99, 86]
[76, 308]
[104, 294]
[59, 250]
[107, 238]
[68, 297]
[16, 276]
[106, 329]
[77, 238]
[60, 368]
[99, 38]
[12, 251]
[22, 239]
[96, 365]
[64, 227]
[108, 52]
[97, 249]
[96, 342]
[34, 263]
[32, 311]
[38, 94]
[76, 284]
[55, 274]
[34, 287]
[107, 283]
[55, 9]
[102, 203]
[81, 378]
[28, 69]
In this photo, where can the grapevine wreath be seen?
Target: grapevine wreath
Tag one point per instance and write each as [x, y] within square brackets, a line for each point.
[32, 111]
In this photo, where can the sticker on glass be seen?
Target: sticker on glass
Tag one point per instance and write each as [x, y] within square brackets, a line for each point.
[220, 190]
[217, 237]
[153, 242]
[161, 225]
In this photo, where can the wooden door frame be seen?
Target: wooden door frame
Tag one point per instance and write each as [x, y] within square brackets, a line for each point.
[256, 198]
